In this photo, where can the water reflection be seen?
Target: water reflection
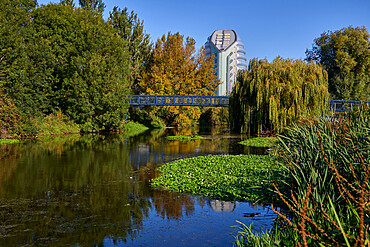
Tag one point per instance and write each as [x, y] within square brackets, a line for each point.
[222, 206]
[83, 190]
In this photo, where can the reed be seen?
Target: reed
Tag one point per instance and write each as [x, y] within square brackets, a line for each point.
[327, 190]
[329, 198]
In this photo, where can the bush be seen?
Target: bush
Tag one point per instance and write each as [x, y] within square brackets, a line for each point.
[9, 116]
[52, 124]
[147, 118]
[131, 128]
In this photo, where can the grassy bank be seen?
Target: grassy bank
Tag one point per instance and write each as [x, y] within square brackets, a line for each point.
[223, 177]
[133, 128]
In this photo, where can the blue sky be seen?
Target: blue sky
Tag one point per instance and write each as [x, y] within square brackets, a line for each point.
[268, 28]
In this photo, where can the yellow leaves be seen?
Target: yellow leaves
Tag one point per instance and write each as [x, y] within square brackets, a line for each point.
[177, 70]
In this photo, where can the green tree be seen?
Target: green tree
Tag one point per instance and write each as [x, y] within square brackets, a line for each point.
[131, 29]
[90, 65]
[270, 96]
[345, 55]
[176, 70]
[71, 59]
[17, 43]
[93, 5]
[67, 2]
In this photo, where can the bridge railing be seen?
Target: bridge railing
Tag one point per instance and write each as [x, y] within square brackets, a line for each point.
[221, 101]
[180, 100]
[346, 105]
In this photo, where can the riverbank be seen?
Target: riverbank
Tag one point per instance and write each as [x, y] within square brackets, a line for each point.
[58, 125]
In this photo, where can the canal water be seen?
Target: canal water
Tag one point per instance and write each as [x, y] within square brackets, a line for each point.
[86, 190]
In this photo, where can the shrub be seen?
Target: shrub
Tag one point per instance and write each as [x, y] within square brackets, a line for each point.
[146, 118]
[52, 124]
[9, 116]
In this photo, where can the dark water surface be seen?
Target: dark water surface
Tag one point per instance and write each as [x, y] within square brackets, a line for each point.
[95, 190]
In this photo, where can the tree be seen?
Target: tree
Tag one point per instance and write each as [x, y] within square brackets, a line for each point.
[131, 29]
[16, 39]
[72, 60]
[345, 55]
[93, 5]
[270, 96]
[176, 70]
[67, 2]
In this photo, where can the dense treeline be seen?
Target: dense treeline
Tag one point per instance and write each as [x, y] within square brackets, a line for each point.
[58, 57]
[270, 96]
[67, 61]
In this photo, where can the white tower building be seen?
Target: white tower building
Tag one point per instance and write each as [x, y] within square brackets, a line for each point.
[229, 55]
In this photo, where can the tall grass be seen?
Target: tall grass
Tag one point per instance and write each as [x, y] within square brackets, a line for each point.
[327, 190]
[328, 167]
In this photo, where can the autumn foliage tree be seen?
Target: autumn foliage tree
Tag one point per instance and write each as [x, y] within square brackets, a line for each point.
[176, 69]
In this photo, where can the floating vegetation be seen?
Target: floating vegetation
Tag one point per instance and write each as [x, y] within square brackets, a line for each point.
[223, 177]
[8, 141]
[183, 138]
[260, 142]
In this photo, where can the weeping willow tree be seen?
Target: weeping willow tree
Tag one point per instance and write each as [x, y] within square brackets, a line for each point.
[269, 96]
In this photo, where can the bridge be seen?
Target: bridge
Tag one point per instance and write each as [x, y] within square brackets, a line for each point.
[346, 105]
[180, 100]
[220, 101]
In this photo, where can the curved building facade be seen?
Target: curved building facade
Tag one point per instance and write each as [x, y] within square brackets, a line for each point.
[229, 56]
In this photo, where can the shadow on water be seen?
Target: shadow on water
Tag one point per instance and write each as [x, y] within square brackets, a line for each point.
[95, 190]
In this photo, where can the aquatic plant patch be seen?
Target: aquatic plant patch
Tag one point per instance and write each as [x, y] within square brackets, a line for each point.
[8, 141]
[260, 142]
[223, 177]
[131, 128]
[183, 138]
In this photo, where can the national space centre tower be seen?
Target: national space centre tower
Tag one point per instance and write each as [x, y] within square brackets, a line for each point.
[229, 56]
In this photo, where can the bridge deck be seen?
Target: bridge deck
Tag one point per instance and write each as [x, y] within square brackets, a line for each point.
[346, 105]
[220, 101]
[179, 100]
